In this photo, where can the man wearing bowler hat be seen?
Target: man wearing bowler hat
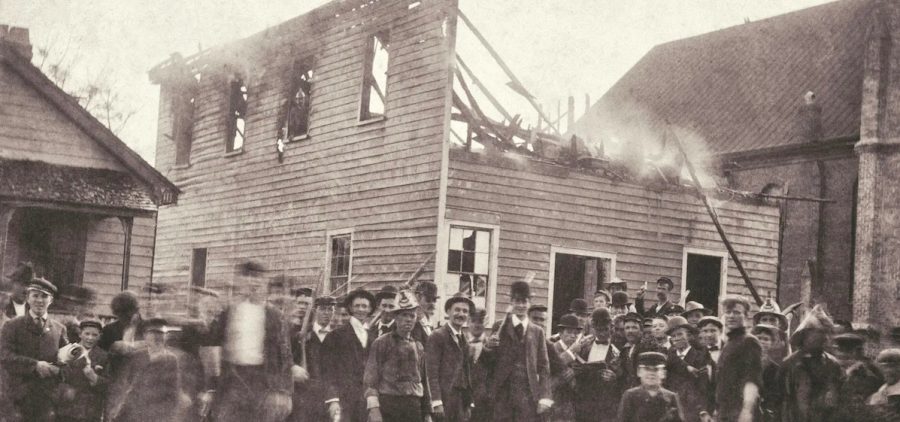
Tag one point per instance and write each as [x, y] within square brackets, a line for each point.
[663, 306]
[579, 307]
[345, 353]
[517, 351]
[598, 380]
[28, 345]
[449, 363]
[426, 295]
[688, 370]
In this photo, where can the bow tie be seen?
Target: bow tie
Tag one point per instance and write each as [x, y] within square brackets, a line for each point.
[714, 348]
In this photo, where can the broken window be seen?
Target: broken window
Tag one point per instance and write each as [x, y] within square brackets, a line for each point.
[183, 104]
[374, 89]
[341, 255]
[297, 117]
[468, 262]
[237, 115]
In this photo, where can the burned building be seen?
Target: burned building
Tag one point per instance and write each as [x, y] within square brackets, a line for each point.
[75, 201]
[325, 148]
[800, 105]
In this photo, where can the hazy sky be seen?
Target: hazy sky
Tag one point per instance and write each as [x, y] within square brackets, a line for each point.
[556, 47]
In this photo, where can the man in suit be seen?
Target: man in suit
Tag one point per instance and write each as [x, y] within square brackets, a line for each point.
[426, 295]
[309, 395]
[711, 335]
[481, 373]
[28, 345]
[256, 353]
[688, 369]
[517, 351]
[633, 326]
[385, 302]
[344, 357]
[650, 401]
[663, 306]
[449, 365]
[599, 379]
[17, 305]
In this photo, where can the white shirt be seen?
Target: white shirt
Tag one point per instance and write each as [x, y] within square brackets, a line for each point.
[360, 330]
[426, 324]
[320, 331]
[516, 322]
[20, 308]
[598, 352]
[454, 334]
[245, 334]
[684, 353]
[881, 396]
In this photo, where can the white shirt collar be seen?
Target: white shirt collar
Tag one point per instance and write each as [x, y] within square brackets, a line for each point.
[453, 331]
[382, 324]
[357, 324]
[684, 353]
[516, 321]
[360, 330]
[33, 316]
[19, 307]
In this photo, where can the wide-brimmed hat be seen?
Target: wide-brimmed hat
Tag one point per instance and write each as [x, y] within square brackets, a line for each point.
[815, 319]
[406, 301]
[457, 298]
[709, 319]
[620, 300]
[769, 307]
[42, 285]
[849, 341]
[386, 292]
[693, 307]
[360, 293]
[678, 322]
[579, 307]
[568, 321]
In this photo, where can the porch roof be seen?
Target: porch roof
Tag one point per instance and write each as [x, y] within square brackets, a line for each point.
[40, 181]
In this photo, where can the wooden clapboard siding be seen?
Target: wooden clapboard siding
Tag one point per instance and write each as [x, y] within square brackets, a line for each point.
[646, 229]
[379, 178]
[32, 128]
[103, 257]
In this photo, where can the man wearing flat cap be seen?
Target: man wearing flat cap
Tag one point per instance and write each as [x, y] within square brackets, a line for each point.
[426, 295]
[28, 346]
[517, 352]
[884, 405]
[449, 363]
[663, 306]
[345, 353]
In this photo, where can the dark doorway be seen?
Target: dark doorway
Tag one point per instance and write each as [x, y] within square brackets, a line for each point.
[54, 241]
[576, 276]
[703, 277]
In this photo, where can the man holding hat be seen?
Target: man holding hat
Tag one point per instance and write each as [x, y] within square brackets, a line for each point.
[517, 351]
[426, 296]
[663, 306]
[345, 353]
[598, 380]
[650, 401]
[449, 363]
[688, 369]
[28, 345]
[396, 388]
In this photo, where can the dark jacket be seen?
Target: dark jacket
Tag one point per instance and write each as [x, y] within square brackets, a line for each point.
[155, 388]
[652, 311]
[22, 344]
[420, 334]
[638, 405]
[11, 309]
[449, 371]
[810, 385]
[80, 399]
[309, 397]
[537, 363]
[112, 333]
[694, 390]
[343, 368]
[595, 398]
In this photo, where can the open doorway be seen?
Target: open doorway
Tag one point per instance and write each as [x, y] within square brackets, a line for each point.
[705, 275]
[576, 274]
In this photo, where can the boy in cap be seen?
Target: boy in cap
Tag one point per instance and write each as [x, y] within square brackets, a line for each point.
[84, 386]
[517, 353]
[345, 353]
[650, 401]
[426, 296]
[449, 363]
[664, 287]
[693, 311]
[739, 370]
[28, 345]
[688, 370]
[396, 388]
[598, 379]
[602, 299]
[711, 335]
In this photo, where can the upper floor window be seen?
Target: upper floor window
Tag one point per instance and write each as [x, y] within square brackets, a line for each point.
[184, 99]
[237, 114]
[297, 117]
[374, 88]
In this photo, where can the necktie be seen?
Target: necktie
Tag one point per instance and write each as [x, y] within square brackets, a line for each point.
[520, 331]
[39, 322]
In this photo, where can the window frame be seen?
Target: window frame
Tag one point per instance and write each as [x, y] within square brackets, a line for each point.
[329, 235]
[441, 265]
[194, 262]
[183, 103]
[723, 272]
[234, 114]
[551, 276]
[309, 63]
[364, 114]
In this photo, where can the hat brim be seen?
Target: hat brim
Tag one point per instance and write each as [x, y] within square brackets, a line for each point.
[717, 323]
[565, 326]
[706, 312]
[39, 289]
[781, 318]
[457, 299]
[690, 327]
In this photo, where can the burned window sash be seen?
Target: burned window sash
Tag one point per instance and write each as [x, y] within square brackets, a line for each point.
[237, 114]
[184, 92]
[373, 98]
[340, 257]
[294, 120]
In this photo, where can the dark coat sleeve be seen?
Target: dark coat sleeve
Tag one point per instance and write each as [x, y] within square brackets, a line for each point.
[10, 358]
[626, 407]
[543, 364]
[434, 356]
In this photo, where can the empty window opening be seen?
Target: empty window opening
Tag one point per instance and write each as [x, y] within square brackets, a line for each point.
[375, 89]
[198, 267]
[237, 115]
[297, 119]
[703, 279]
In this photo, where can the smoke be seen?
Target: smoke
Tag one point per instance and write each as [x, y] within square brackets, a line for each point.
[641, 141]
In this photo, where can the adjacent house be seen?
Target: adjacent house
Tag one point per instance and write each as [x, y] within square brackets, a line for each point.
[75, 201]
[323, 148]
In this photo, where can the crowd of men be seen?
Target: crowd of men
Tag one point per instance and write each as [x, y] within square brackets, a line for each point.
[268, 351]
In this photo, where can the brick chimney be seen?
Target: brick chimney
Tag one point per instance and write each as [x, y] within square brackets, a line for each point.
[17, 38]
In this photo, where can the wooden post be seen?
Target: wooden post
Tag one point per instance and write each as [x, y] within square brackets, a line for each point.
[127, 224]
[570, 122]
[715, 219]
[484, 89]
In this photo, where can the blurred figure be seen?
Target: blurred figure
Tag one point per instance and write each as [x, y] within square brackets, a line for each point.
[770, 390]
[886, 401]
[123, 336]
[309, 387]
[538, 314]
[693, 311]
[481, 372]
[564, 385]
[28, 348]
[862, 377]
[617, 285]
[256, 381]
[618, 333]
[676, 311]
[664, 287]
[83, 392]
[688, 370]
[303, 303]
[426, 295]
[19, 278]
[650, 401]
[620, 304]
